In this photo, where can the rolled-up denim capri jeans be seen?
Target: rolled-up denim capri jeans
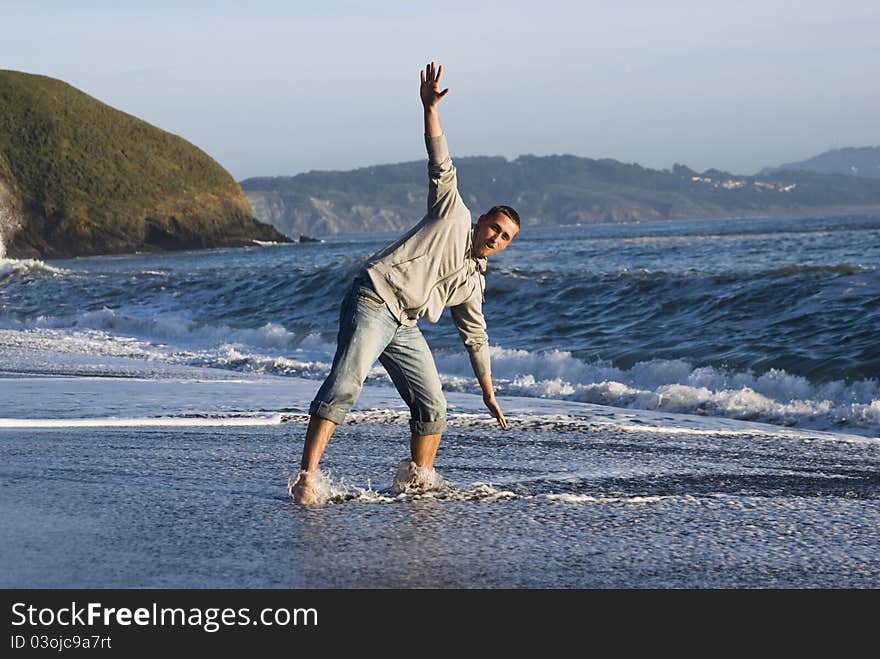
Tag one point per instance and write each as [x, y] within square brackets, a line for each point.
[369, 331]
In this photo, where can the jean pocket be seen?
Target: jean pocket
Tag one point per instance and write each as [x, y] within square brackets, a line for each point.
[370, 297]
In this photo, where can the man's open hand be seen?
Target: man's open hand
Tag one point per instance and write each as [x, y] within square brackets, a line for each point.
[495, 409]
[430, 89]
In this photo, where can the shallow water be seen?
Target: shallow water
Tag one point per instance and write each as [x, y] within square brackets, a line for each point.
[579, 505]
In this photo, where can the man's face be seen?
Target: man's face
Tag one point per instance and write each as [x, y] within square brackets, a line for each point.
[494, 233]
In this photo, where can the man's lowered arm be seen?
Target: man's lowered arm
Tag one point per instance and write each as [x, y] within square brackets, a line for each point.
[490, 400]
[471, 325]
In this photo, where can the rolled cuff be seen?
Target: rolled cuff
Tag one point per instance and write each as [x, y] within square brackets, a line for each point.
[427, 427]
[438, 151]
[327, 411]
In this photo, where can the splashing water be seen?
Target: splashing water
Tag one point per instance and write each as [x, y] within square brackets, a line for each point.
[411, 478]
[324, 489]
[411, 482]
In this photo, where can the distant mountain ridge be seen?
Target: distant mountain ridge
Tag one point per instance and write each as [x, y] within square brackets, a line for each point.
[79, 177]
[850, 161]
[546, 190]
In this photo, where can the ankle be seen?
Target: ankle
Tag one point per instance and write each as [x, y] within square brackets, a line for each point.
[305, 477]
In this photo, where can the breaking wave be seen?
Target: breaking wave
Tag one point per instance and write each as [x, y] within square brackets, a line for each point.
[10, 268]
[678, 386]
[780, 328]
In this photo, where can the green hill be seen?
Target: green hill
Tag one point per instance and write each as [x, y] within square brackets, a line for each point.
[851, 161]
[79, 177]
[546, 190]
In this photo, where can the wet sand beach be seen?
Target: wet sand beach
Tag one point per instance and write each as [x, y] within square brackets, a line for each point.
[572, 496]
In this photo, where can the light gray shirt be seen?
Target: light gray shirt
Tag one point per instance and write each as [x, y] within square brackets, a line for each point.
[432, 266]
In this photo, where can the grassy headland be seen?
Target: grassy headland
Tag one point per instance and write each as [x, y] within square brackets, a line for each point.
[81, 177]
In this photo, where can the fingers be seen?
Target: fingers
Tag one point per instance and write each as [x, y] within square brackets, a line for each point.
[432, 73]
[495, 409]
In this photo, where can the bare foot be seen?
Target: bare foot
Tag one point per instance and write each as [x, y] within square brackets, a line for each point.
[303, 489]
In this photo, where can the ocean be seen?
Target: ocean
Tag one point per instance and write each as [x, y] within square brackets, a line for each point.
[692, 404]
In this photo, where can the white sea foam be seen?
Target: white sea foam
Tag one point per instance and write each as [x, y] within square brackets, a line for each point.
[270, 420]
[676, 386]
[226, 343]
[175, 327]
[37, 344]
[329, 491]
[662, 385]
[586, 498]
[232, 357]
[481, 492]
[11, 267]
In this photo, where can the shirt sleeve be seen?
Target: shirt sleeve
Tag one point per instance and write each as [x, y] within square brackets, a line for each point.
[471, 325]
[442, 181]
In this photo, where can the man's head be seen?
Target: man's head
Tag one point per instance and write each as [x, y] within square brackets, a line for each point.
[495, 229]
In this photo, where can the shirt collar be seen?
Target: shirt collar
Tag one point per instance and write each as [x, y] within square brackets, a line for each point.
[481, 261]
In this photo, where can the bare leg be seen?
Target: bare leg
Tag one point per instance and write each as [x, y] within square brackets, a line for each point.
[423, 449]
[318, 435]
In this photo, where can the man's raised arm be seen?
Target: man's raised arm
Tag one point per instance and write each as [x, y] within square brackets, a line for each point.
[431, 95]
[442, 186]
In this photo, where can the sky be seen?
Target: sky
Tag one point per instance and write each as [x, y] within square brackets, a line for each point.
[271, 88]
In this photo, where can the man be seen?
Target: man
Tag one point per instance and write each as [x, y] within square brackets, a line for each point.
[438, 263]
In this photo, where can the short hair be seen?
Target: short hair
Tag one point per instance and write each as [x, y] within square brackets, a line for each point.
[505, 210]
